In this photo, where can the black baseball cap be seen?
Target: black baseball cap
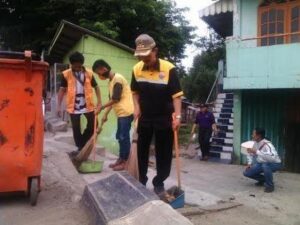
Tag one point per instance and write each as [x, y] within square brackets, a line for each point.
[202, 105]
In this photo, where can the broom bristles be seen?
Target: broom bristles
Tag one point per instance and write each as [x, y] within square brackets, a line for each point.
[85, 152]
[132, 166]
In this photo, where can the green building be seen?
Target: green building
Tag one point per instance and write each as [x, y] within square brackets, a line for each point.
[69, 38]
[262, 70]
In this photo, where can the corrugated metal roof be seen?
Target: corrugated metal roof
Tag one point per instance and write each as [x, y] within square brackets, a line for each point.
[68, 34]
[222, 6]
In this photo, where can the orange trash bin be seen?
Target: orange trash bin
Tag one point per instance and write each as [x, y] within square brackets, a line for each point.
[21, 123]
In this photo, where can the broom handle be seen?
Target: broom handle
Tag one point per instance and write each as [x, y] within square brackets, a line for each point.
[94, 138]
[177, 158]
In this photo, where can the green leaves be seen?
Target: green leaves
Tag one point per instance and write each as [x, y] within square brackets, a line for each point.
[198, 82]
[33, 25]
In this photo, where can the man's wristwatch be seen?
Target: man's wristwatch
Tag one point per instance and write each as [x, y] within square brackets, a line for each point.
[178, 117]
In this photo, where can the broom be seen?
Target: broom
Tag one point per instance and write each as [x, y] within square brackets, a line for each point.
[92, 166]
[85, 152]
[175, 195]
[132, 166]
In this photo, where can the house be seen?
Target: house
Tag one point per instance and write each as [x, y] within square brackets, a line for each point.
[262, 70]
[69, 38]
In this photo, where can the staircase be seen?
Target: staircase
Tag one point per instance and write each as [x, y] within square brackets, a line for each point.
[222, 144]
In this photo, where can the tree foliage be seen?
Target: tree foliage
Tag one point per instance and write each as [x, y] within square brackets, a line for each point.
[32, 24]
[197, 84]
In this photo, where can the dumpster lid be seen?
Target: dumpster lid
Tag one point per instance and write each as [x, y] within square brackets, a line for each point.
[18, 55]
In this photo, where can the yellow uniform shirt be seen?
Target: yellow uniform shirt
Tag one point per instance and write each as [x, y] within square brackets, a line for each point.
[157, 87]
[124, 107]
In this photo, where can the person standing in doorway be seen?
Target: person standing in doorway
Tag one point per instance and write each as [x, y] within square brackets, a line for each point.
[120, 99]
[263, 161]
[157, 96]
[206, 125]
[78, 84]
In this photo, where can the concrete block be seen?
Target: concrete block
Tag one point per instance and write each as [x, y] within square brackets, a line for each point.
[115, 197]
[65, 139]
[48, 117]
[57, 126]
[153, 213]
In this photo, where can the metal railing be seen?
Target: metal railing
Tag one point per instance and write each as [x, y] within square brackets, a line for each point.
[220, 74]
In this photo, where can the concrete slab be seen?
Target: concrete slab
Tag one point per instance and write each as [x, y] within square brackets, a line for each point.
[57, 126]
[153, 213]
[115, 197]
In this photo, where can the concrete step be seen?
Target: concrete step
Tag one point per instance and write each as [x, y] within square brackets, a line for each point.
[223, 115]
[221, 148]
[222, 141]
[222, 110]
[223, 105]
[225, 96]
[225, 128]
[226, 101]
[221, 155]
[224, 121]
[223, 134]
[57, 126]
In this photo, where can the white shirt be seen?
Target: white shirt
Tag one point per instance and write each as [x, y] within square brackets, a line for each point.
[80, 104]
[265, 153]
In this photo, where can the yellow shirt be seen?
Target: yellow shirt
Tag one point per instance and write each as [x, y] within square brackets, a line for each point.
[124, 107]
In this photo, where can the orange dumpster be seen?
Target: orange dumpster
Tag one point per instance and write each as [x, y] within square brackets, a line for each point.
[21, 123]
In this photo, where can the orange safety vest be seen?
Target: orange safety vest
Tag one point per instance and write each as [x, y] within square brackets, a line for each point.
[71, 90]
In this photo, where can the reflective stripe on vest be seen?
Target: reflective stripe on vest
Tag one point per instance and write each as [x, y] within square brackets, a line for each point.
[71, 90]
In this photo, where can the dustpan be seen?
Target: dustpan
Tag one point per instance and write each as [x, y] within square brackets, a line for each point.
[178, 197]
[90, 166]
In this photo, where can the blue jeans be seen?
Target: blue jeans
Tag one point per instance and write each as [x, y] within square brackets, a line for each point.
[256, 170]
[123, 135]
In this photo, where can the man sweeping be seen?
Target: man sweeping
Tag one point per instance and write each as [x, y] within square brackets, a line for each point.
[120, 99]
[156, 95]
[78, 84]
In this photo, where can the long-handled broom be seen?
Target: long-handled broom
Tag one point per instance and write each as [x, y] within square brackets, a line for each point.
[132, 166]
[85, 165]
[85, 152]
[175, 195]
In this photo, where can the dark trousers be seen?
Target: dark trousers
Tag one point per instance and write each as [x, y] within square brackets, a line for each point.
[163, 151]
[204, 140]
[263, 172]
[123, 135]
[82, 138]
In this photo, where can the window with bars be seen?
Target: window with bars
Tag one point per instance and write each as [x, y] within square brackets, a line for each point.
[279, 22]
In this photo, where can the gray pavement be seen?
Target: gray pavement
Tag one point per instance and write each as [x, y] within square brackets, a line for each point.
[205, 184]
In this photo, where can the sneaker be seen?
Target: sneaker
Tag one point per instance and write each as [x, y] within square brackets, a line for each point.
[117, 162]
[269, 189]
[205, 158]
[259, 184]
[120, 166]
[159, 189]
